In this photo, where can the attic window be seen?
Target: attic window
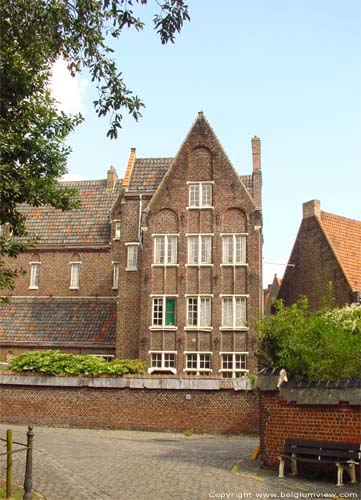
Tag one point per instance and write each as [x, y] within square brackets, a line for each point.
[34, 272]
[75, 265]
[200, 195]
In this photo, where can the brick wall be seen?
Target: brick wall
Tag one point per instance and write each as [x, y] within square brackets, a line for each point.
[281, 417]
[221, 411]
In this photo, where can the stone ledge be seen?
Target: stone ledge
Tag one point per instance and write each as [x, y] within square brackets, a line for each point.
[321, 395]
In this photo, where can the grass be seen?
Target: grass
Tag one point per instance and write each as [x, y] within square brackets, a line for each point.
[17, 492]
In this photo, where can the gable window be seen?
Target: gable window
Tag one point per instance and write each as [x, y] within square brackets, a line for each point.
[162, 361]
[34, 272]
[117, 230]
[200, 195]
[233, 364]
[234, 249]
[115, 275]
[198, 363]
[165, 249]
[132, 256]
[199, 249]
[199, 312]
[234, 312]
[75, 264]
[164, 312]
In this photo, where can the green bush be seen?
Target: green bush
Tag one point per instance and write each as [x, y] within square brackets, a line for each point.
[57, 363]
[312, 345]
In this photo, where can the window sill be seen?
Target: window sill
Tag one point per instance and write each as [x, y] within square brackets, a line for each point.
[245, 264]
[199, 208]
[172, 370]
[115, 288]
[234, 328]
[168, 327]
[164, 265]
[131, 269]
[198, 265]
[199, 372]
[33, 288]
[73, 288]
[198, 328]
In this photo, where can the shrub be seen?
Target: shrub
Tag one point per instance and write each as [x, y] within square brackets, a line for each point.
[57, 363]
[312, 345]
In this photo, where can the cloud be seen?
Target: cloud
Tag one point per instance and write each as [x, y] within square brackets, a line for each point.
[68, 91]
[72, 177]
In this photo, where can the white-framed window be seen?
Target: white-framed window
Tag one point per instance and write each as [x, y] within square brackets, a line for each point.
[162, 361]
[34, 275]
[198, 363]
[115, 275]
[233, 364]
[234, 249]
[164, 312]
[199, 312]
[200, 195]
[199, 249]
[234, 312]
[75, 275]
[165, 249]
[117, 230]
[132, 256]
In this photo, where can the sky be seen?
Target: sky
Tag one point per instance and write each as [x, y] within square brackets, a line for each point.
[288, 71]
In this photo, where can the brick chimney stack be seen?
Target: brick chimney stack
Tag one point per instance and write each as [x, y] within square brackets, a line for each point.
[312, 209]
[112, 178]
[256, 153]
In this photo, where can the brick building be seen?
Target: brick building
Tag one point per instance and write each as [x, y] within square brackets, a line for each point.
[165, 265]
[327, 249]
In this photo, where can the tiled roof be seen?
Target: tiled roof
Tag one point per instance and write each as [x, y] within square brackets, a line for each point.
[248, 183]
[147, 173]
[58, 320]
[345, 237]
[89, 224]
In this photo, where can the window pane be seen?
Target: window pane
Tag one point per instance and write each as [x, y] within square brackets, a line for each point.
[206, 195]
[227, 249]
[206, 246]
[205, 311]
[204, 361]
[194, 195]
[192, 318]
[34, 275]
[132, 256]
[172, 250]
[158, 311]
[75, 276]
[193, 250]
[156, 360]
[241, 249]
[191, 361]
[241, 308]
[227, 362]
[170, 312]
[115, 275]
[169, 360]
[227, 312]
[117, 230]
[159, 250]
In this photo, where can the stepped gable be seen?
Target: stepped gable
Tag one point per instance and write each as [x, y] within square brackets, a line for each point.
[344, 236]
[88, 225]
[58, 321]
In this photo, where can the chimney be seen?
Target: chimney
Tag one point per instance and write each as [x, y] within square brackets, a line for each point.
[256, 153]
[112, 178]
[312, 209]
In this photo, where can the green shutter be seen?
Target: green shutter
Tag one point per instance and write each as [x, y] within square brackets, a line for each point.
[170, 312]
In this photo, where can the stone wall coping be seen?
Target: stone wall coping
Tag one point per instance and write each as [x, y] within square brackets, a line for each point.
[208, 384]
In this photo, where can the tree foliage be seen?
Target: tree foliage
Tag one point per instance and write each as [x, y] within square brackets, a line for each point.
[57, 363]
[312, 345]
[34, 34]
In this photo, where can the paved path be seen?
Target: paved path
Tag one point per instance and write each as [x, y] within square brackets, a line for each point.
[82, 464]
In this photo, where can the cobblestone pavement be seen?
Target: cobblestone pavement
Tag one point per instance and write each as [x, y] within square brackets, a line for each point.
[83, 464]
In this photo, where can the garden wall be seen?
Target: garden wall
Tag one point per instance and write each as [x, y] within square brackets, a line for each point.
[322, 411]
[198, 405]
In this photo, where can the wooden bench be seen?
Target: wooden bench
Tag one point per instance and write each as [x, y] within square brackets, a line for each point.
[343, 455]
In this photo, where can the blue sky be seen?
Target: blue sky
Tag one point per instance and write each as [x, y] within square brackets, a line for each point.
[287, 71]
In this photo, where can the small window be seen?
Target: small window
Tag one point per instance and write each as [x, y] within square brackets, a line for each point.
[164, 312]
[75, 264]
[198, 363]
[165, 250]
[234, 249]
[233, 365]
[200, 195]
[34, 275]
[199, 312]
[234, 312]
[115, 275]
[162, 361]
[199, 249]
[132, 257]
[117, 230]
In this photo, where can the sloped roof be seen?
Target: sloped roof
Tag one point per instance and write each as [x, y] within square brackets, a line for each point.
[58, 320]
[344, 236]
[147, 173]
[88, 225]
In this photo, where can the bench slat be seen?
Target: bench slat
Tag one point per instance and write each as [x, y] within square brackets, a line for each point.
[325, 452]
[312, 460]
[323, 444]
